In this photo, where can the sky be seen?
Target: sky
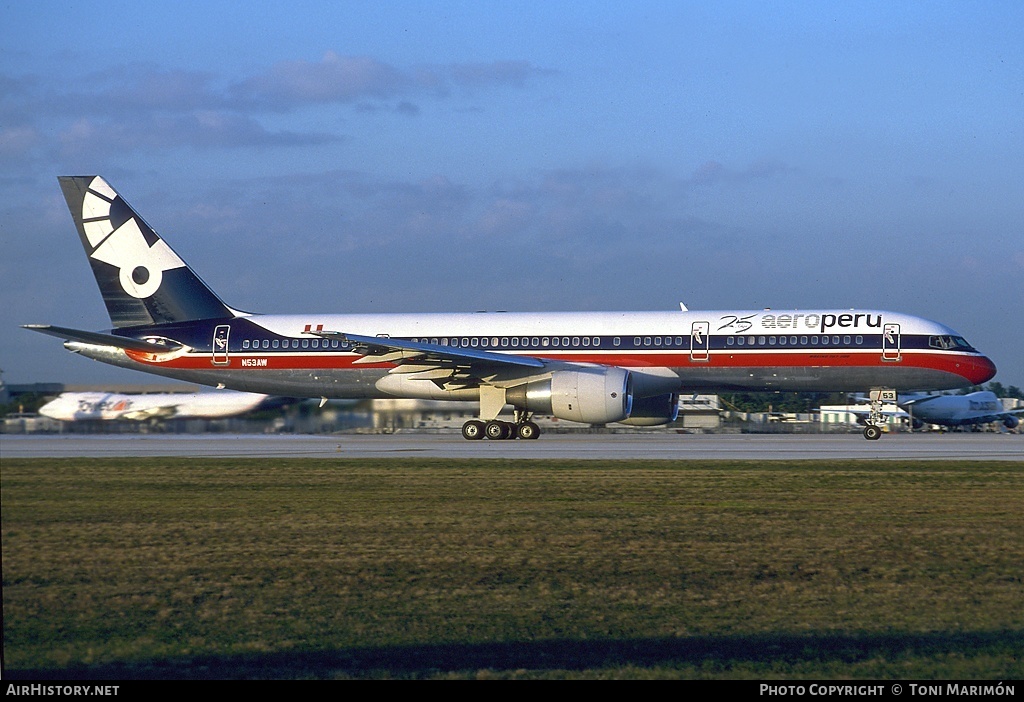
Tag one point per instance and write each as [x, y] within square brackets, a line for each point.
[524, 156]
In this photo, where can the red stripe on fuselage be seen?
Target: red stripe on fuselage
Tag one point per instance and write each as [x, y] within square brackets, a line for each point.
[975, 369]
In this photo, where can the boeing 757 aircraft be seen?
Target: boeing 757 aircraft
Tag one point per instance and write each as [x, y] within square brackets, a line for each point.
[74, 406]
[590, 367]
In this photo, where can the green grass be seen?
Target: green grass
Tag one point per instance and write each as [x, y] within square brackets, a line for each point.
[274, 568]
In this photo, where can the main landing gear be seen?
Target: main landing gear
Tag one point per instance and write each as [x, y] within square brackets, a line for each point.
[497, 430]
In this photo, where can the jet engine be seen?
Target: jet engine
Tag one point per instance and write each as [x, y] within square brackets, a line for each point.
[591, 396]
[652, 411]
[1010, 422]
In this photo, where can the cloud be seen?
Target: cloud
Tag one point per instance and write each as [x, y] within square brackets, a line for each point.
[715, 172]
[16, 143]
[201, 129]
[141, 106]
[353, 79]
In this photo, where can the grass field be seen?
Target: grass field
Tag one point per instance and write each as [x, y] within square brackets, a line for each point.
[253, 568]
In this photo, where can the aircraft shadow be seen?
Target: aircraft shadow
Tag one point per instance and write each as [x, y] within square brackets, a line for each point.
[430, 659]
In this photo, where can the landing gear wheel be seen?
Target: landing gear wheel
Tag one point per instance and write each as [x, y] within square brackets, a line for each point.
[528, 430]
[496, 430]
[473, 430]
[872, 433]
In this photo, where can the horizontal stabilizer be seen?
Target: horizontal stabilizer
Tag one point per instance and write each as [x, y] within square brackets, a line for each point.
[101, 339]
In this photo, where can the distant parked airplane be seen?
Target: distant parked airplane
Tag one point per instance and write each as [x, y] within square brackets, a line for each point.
[74, 406]
[590, 367]
[981, 407]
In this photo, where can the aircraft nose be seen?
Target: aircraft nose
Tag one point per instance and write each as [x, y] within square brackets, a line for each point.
[977, 370]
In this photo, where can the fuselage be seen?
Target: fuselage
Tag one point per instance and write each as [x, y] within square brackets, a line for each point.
[814, 350]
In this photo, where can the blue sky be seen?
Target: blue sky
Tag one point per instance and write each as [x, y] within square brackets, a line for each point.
[449, 156]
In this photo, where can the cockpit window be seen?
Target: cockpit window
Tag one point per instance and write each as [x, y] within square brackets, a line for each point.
[949, 342]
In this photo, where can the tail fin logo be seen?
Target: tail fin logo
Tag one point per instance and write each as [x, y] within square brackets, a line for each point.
[122, 244]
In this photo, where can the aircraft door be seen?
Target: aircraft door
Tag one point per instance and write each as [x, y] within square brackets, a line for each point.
[700, 342]
[220, 345]
[891, 343]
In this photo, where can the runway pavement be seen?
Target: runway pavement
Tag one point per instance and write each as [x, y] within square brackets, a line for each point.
[660, 446]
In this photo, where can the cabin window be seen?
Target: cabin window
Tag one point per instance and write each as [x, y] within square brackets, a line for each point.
[616, 341]
[730, 341]
[846, 341]
[575, 341]
[305, 343]
[739, 340]
[515, 341]
[636, 341]
[771, 341]
[835, 341]
[245, 344]
[803, 341]
[814, 341]
[586, 341]
[275, 343]
[504, 341]
[760, 340]
[860, 340]
[536, 341]
[544, 341]
[474, 342]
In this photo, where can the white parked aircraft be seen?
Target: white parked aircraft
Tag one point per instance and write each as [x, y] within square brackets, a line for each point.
[592, 367]
[981, 407]
[74, 406]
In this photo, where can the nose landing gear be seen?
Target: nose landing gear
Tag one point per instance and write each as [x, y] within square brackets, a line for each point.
[876, 418]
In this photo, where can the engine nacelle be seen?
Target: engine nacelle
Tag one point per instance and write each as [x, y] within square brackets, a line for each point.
[1010, 422]
[653, 411]
[590, 396]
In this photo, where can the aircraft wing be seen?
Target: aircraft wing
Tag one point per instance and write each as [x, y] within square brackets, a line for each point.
[380, 349]
[101, 339]
[448, 367]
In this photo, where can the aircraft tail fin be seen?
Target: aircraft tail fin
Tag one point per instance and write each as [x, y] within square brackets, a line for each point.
[140, 277]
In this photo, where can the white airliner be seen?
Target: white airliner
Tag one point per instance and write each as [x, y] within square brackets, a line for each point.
[981, 407]
[74, 406]
[590, 367]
